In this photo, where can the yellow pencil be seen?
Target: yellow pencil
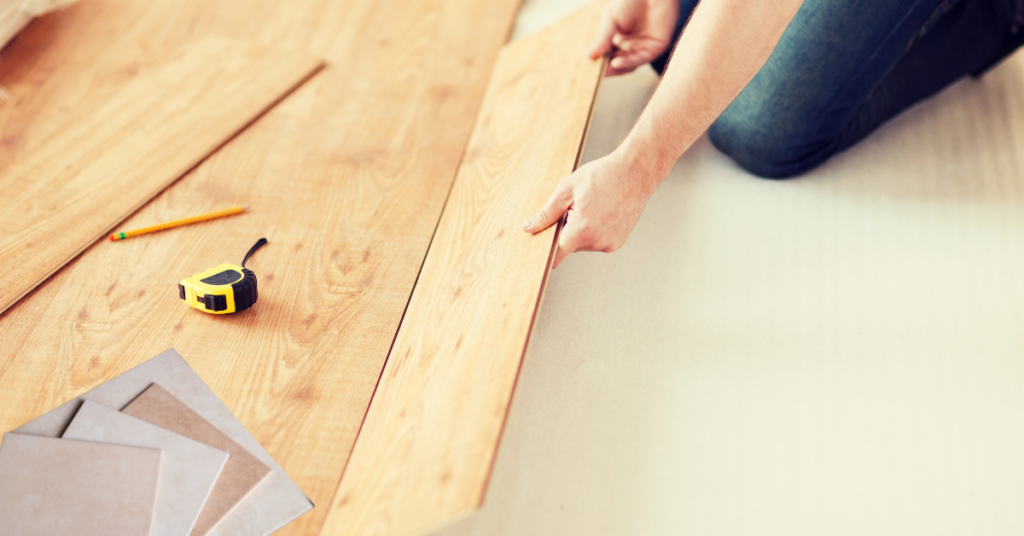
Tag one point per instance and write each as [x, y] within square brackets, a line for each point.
[178, 223]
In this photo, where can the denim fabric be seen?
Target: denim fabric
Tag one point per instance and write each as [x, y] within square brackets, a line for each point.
[844, 67]
[686, 8]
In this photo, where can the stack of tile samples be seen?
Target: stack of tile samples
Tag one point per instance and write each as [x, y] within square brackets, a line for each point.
[151, 452]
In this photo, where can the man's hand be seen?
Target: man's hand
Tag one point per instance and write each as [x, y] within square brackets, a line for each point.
[604, 200]
[726, 42]
[634, 32]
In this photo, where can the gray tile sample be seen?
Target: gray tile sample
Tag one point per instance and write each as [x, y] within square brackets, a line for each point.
[271, 506]
[57, 487]
[188, 472]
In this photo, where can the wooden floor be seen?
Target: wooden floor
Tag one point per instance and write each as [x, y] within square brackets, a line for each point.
[347, 178]
[71, 190]
[424, 453]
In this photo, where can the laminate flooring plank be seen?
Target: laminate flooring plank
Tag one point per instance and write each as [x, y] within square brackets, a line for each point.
[73, 189]
[346, 178]
[425, 451]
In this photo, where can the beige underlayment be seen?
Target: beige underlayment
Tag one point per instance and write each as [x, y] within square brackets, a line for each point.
[838, 354]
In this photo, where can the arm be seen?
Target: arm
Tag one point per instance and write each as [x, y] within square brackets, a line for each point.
[723, 46]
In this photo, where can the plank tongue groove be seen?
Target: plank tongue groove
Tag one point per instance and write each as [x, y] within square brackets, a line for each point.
[74, 188]
[426, 448]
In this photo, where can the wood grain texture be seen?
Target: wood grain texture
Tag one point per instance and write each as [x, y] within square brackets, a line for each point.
[75, 187]
[426, 448]
[346, 177]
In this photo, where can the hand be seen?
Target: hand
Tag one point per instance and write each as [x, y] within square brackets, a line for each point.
[634, 32]
[604, 198]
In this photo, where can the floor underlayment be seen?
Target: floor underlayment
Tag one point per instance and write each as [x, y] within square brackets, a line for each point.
[838, 354]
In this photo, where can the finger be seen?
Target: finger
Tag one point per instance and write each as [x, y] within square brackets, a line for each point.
[568, 241]
[603, 41]
[627, 62]
[611, 70]
[556, 205]
[624, 45]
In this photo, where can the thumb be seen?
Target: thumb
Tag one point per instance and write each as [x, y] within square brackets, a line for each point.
[552, 211]
[568, 242]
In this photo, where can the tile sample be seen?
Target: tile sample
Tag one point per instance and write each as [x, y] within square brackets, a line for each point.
[57, 487]
[425, 450]
[242, 472]
[274, 503]
[188, 472]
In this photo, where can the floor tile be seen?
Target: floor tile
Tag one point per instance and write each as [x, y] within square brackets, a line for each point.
[271, 506]
[242, 472]
[57, 487]
[188, 473]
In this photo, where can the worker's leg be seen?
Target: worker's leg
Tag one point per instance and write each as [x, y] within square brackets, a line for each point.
[842, 68]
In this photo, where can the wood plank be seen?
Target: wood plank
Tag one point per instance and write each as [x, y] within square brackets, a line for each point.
[346, 177]
[426, 448]
[74, 188]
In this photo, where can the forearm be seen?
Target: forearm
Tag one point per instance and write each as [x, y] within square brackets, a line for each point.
[722, 48]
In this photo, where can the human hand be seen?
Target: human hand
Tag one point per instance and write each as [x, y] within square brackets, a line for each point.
[634, 32]
[605, 197]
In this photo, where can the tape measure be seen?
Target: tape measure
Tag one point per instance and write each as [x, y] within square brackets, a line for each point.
[224, 289]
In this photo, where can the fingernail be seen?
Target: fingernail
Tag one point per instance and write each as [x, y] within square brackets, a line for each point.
[526, 224]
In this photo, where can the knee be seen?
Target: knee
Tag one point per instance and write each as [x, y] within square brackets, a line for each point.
[769, 147]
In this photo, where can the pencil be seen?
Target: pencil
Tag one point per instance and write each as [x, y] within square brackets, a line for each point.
[178, 223]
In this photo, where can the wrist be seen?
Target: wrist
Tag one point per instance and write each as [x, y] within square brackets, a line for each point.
[648, 164]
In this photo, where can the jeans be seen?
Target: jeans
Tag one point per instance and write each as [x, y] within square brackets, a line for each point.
[844, 67]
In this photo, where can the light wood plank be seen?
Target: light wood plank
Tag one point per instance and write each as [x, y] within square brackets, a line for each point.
[346, 177]
[71, 190]
[426, 448]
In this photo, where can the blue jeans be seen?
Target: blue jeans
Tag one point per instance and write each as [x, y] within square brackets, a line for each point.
[844, 67]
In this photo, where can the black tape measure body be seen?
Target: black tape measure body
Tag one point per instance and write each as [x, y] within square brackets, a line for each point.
[224, 289]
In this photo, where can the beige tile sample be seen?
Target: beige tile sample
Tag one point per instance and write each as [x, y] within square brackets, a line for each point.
[188, 472]
[242, 472]
[274, 504]
[57, 487]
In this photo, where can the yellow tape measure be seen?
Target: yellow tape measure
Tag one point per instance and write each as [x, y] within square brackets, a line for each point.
[224, 289]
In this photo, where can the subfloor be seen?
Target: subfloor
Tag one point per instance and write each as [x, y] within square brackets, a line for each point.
[838, 354]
